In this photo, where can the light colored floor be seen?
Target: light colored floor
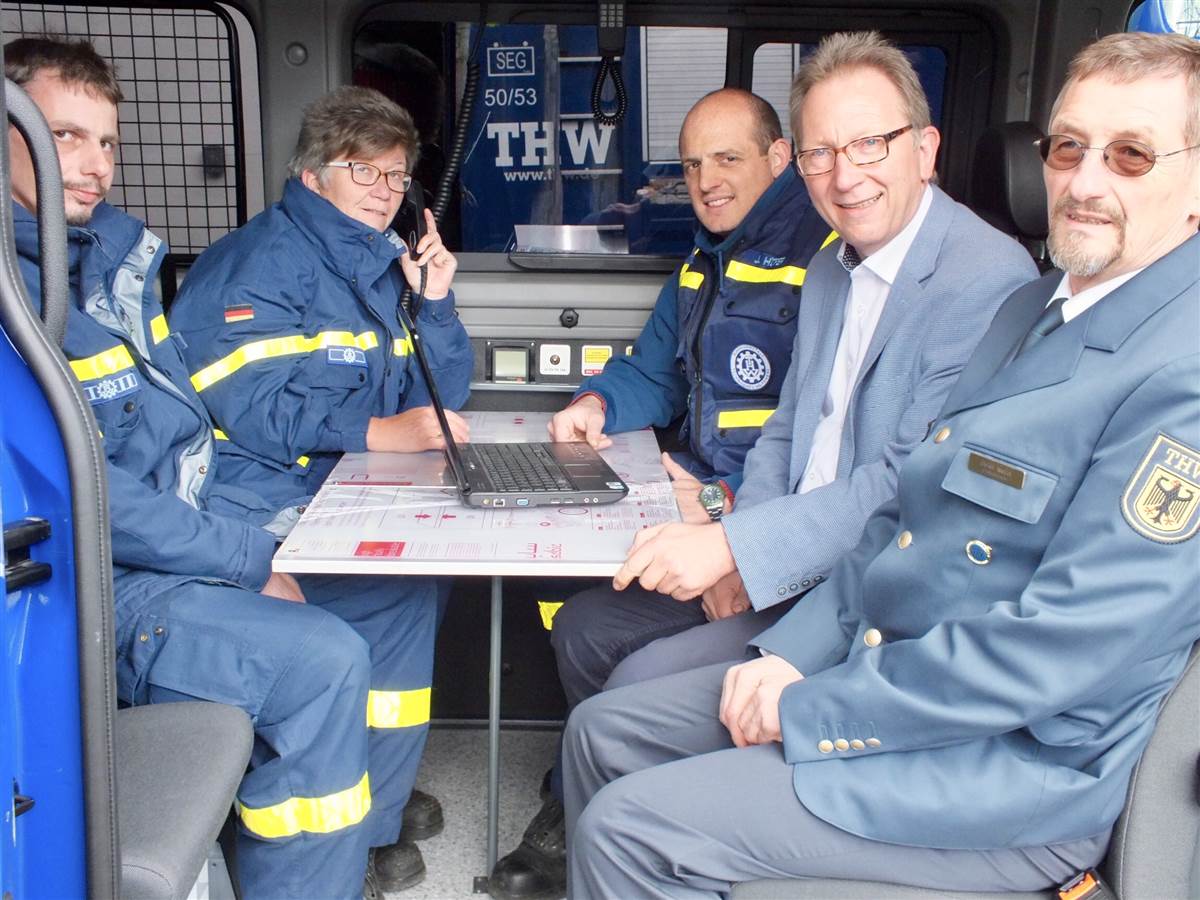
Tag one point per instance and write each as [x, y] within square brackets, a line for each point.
[454, 769]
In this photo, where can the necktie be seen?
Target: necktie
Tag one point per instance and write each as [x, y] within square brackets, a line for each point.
[1051, 318]
[850, 258]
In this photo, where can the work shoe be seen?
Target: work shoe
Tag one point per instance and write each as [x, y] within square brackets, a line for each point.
[537, 869]
[396, 866]
[371, 889]
[422, 817]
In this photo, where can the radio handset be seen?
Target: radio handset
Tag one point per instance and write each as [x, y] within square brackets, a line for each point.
[410, 225]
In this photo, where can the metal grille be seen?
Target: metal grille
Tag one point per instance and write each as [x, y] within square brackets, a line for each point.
[179, 155]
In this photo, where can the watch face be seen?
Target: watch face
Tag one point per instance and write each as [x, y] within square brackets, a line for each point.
[712, 496]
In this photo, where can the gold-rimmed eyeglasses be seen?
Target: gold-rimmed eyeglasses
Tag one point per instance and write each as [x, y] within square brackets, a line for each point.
[862, 152]
[398, 181]
[1129, 158]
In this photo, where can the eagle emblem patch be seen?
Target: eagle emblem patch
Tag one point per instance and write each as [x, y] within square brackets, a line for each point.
[1162, 499]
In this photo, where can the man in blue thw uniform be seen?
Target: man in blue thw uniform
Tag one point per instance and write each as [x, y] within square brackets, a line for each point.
[961, 704]
[714, 352]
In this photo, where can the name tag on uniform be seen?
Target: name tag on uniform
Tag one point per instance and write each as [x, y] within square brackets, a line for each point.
[996, 470]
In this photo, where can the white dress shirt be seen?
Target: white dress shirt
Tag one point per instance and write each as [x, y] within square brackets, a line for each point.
[1077, 304]
[870, 283]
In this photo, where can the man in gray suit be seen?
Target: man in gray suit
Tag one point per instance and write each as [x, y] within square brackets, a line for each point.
[890, 315]
[961, 705]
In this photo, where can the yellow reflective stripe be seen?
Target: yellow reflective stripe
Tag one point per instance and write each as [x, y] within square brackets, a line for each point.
[398, 709]
[402, 346]
[548, 609]
[690, 279]
[114, 359]
[833, 236]
[271, 348]
[740, 271]
[222, 436]
[743, 418]
[316, 815]
[159, 329]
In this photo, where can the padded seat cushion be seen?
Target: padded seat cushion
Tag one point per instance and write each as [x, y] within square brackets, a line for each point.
[178, 768]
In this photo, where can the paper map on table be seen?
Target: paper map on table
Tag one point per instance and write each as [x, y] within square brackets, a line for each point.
[379, 509]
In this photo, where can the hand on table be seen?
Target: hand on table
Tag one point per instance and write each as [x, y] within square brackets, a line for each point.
[414, 430]
[677, 559]
[583, 420]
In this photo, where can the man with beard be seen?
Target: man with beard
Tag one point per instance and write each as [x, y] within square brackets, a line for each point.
[961, 704]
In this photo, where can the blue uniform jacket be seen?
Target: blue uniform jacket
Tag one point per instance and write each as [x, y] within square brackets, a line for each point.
[985, 668]
[168, 514]
[293, 337]
[719, 340]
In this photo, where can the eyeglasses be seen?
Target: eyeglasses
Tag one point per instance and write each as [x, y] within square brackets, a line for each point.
[366, 174]
[862, 152]
[1128, 158]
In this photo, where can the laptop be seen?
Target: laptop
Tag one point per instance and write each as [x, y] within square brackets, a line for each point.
[522, 474]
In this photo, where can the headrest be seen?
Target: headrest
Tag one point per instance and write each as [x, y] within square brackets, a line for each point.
[1007, 188]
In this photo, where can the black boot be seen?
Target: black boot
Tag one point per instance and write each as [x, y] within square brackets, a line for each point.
[536, 870]
[396, 866]
[422, 817]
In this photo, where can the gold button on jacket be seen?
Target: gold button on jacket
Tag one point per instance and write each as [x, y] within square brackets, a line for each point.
[872, 637]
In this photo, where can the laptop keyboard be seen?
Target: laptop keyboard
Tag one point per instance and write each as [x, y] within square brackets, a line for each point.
[521, 467]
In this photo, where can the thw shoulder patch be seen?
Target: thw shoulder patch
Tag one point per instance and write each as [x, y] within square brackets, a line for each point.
[1162, 499]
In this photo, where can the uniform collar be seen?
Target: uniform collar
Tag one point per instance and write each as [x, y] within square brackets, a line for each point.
[785, 185]
[95, 248]
[347, 246]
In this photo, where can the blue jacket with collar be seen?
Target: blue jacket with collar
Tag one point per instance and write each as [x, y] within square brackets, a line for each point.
[168, 515]
[719, 340]
[985, 668]
[293, 336]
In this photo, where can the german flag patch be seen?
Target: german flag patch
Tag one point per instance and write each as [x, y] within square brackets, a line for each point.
[1162, 499]
[243, 312]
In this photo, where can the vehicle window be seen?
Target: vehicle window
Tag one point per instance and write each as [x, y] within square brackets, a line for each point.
[1166, 17]
[535, 155]
[775, 64]
[182, 154]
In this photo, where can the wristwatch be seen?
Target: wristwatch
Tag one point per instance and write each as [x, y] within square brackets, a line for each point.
[712, 498]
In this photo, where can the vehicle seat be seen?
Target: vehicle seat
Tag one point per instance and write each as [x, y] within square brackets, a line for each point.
[178, 768]
[1007, 190]
[1155, 848]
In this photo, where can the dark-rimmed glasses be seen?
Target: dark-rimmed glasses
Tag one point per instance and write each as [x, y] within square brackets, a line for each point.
[862, 152]
[1128, 158]
[398, 181]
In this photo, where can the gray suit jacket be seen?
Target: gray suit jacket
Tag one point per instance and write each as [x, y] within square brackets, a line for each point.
[955, 276]
[985, 668]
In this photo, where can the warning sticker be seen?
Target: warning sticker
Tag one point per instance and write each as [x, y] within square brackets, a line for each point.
[594, 358]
